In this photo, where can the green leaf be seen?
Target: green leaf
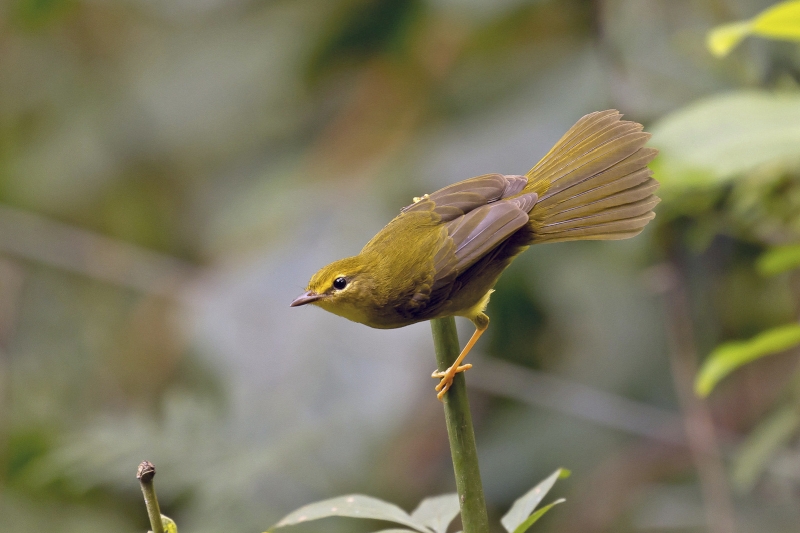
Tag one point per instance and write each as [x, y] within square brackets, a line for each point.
[532, 519]
[781, 21]
[722, 137]
[770, 434]
[730, 356]
[395, 531]
[778, 260]
[437, 512]
[722, 39]
[524, 506]
[169, 524]
[353, 505]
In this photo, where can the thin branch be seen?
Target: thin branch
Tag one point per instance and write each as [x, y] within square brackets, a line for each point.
[606, 409]
[700, 430]
[145, 474]
[37, 238]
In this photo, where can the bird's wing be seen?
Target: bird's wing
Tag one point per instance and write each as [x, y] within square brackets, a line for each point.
[477, 233]
[465, 196]
[477, 215]
[466, 240]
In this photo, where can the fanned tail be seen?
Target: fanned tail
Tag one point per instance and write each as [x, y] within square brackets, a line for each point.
[594, 184]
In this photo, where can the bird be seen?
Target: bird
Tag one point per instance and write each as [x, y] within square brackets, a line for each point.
[444, 253]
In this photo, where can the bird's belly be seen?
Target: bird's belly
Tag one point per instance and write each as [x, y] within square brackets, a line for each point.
[477, 283]
[470, 301]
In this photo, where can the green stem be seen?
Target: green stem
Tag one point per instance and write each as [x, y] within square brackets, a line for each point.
[459, 429]
[145, 475]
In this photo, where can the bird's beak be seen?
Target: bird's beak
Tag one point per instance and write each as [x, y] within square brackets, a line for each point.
[305, 298]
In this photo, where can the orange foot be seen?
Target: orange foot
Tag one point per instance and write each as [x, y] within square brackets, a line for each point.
[447, 378]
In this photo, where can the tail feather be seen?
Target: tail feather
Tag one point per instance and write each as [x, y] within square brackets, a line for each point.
[594, 183]
[628, 173]
[581, 206]
[621, 229]
[592, 122]
[591, 131]
[614, 214]
[598, 159]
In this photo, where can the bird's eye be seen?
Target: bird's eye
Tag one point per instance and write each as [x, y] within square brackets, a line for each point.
[339, 283]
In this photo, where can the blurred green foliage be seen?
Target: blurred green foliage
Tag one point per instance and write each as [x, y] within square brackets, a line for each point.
[781, 21]
[730, 356]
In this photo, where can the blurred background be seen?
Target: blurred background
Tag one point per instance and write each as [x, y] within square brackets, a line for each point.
[172, 172]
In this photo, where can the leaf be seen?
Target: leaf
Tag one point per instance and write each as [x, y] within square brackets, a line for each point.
[770, 434]
[532, 519]
[779, 260]
[395, 531]
[437, 512]
[722, 137]
[169, 524]
[781, 21]
[524, 506]
[722, 39]
[730, 356]
[353, 505]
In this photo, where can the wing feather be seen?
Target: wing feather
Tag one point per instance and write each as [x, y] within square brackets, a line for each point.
[481, 230]
[476, 215]
[461, 198]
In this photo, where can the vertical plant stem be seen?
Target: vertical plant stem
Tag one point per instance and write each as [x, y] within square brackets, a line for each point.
[145, 474]
[459, 429]
[700, 431]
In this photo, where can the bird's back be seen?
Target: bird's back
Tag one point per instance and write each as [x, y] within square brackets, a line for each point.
[594, 184]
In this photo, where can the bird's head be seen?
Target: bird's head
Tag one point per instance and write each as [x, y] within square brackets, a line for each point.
[342, 288]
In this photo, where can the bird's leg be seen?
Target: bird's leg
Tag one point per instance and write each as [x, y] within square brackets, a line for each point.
[446, 377]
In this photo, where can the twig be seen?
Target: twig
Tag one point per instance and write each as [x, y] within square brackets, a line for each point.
[700, 431]
[542, 390]
[37, 238]
[459, 430]
[145, 474]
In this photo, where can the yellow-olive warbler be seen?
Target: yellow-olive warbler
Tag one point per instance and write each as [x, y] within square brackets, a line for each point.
[442, 254]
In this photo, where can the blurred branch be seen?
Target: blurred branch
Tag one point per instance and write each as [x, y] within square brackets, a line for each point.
[145, 474]
[36, 238]
[606, 409]
[606, 493]
[703, 444]
[598, 20]
[12, 279]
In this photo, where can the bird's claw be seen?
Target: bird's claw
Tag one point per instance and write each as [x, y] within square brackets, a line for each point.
[441, 373]
[446, 378]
